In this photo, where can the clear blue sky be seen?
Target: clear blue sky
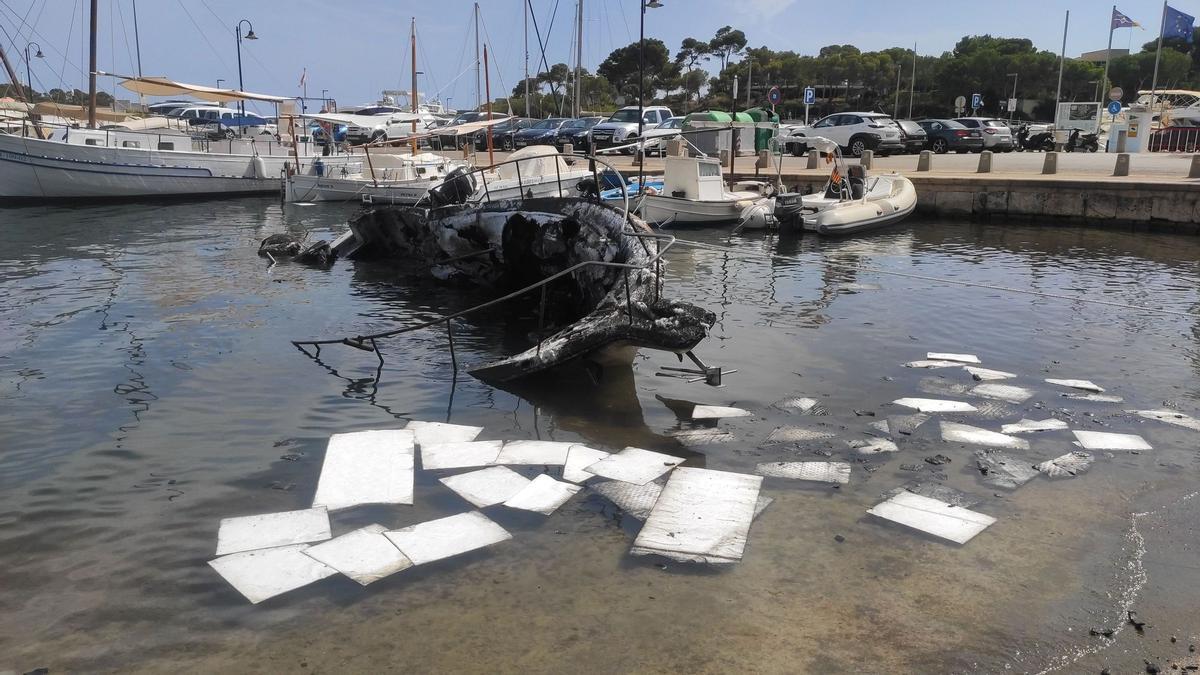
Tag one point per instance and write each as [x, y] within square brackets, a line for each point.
[357, 48]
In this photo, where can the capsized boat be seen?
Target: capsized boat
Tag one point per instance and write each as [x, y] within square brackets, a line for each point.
[377, 178]
[694, 193]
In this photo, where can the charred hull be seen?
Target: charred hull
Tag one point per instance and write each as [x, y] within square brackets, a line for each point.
[607, 307]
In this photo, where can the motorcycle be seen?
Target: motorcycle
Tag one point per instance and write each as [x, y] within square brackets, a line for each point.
[1042, 141]
[1082, 142]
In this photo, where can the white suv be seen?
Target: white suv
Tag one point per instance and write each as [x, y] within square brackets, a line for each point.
[996, 133]
[856, 132]
[622, 127]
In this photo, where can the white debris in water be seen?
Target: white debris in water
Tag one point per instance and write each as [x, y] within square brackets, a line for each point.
[939, 386]
[268, 530]
[905, 425]
[795, 435]
[1103, 440]
[266, 573]
[1170, 417]
[543, 495]
[701, 516]
[821, 472]
[960, 358]
[933, 364]
[933, 405]
[878, 446]
[1095, 398]
[1027, 426]
[440, 432]
[459, 455]
[367, 467]
[801, 403]
[986, 374]
[964, 433]
[702, 436]
[1002, 470]
[1086, 385]
[534, 452]
[713, 412]
[635, 500]
[634, 465]
[446, 537]
[855, 287]
[933, 517]
[1003, 392]
[493, 485]
[364, 555]
[1071, 464]
[994, 410]
[880, 426]
[579, 457]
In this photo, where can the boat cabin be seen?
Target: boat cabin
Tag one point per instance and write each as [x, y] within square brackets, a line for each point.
[695, 178]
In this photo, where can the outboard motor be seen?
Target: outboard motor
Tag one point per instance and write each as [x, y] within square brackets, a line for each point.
[456, 189]
[788, 206]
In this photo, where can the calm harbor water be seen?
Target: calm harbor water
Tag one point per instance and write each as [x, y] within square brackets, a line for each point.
[148, 389]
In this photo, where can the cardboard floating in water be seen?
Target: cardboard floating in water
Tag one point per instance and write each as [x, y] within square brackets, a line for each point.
[934, 490]
[1103, 440]
[1095, 398]
[878, 446]
[1003, 392]
[364, 555]
[269, 530]
[702, 436]
[801, 403]
[1070, 464]
[1002, 470]
[713, 412]
[440, 432]
[1029, 426]
[1170, 417]
[964, 433]
[701, 516]
[933, 405]
[821, 472]
[447, 537]
[933, 517]
[929, 364]
[546, 453]
[459, 455]
[959, 358]
[788, 434]
[580, 457]
[265, 573]
[367, 467]
[1085, 385]
[637, 500]
[905, 425]
[543, 495]
[486, 487]
[987, 374]
[634, 465]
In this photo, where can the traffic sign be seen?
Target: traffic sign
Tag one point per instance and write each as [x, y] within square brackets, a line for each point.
[810, 96]
[1115, 94]
[960, 102]
[1012, 104]
[976, 100]
[1114, 108]
[774, 96]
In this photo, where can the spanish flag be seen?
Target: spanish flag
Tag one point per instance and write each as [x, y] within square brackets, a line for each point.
[836, 176]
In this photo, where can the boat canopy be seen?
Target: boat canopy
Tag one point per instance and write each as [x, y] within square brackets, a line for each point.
[534, 160]
[78, 112]
[161, 86]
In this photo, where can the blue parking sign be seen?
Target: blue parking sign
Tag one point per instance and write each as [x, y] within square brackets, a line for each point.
[810, 96]
[1114, 107]
[976, 100]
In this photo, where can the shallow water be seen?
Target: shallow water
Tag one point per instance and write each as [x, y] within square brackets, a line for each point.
[148, 389]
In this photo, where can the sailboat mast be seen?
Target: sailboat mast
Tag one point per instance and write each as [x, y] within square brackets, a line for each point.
[577, 108]
[525, 4]
[477, 100]
[488, 84]
[413, 96]
[92, 67]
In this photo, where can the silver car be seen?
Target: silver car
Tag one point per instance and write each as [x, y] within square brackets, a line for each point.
[997, 136]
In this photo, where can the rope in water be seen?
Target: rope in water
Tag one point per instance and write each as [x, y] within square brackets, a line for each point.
[942, 280]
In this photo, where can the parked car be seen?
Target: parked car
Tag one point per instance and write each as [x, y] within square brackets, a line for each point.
[794, 129]
[856, 132]
[543, 132]
[451, 139]
[997, 136]
[502, 133]
[914, 137]
[219, 122]
[577, 132]
[1175, 139]
[665, 131]
[622, 126]
[319, 132]
[946, 135]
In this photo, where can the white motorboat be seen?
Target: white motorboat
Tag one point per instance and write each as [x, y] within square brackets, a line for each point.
[694, 193]
[1174, 107]
[535, 171]
[378, 178]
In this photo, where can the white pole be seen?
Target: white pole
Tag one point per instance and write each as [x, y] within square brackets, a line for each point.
[478, 100]
[1162, 26]
[578, 107]
[1107, 55]
[749, 79]
[912, 87]
[1062, 60]
[525, 6]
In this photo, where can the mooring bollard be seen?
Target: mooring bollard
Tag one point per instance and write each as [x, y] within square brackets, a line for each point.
[868, 156]
[568, 149]
[1195, 170]
[1122, 167]
[985, 162]
[764, 159]
[813, 157]
[1050, 165]
[639, 156]
[925, 160]
[675, 148]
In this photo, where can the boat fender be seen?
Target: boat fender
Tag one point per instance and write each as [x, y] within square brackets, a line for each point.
[743, 204]
[651, 190]
[259, 166]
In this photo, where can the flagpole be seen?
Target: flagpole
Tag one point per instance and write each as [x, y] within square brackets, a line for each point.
[1108, 54]
[1162, 26]
[912, 85]
[1062, 60]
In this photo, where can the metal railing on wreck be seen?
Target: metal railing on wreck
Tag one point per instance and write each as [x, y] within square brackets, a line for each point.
[368, 342]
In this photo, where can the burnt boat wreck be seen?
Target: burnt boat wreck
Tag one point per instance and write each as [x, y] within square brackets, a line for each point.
[597, 270]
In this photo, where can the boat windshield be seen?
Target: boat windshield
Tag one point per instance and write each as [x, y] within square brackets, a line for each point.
[624, 116]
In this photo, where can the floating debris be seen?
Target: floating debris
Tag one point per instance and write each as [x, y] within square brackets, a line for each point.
[1170, 417]
[440, 432]
[788, 434]
[932, 490]
[932, 516]
[459, 455]
[446, 537]
[960, 358]
[933, 364]
[713, 412]
[543, 495]
[1103, 440]
[932, 405]
[364, 555]
[1029, 426]
[905, 425]
[821, 472]
[266, 573]
[634, 465]
[941, 387]
[546, 453]
[994, 410]
[801, 403]
[1086, 385]
[1002, 470]
[268, 530]
[1003, 392]
[1071, 464]
[1095, 398]
[486, 487]
[701, 516]
[938, 460]
[986, 374]
[881, 426]
[367, 467]
[702, 436]
[964, 433]
[637, 500]
[855, 287]
[878, 446]
[579, 457]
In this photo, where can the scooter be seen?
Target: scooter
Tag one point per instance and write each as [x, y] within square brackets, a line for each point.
[1081, 142]
[1042, 141]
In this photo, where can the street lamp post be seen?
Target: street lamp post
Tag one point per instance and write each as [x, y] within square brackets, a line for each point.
[652, 4]
[325, 99]
[219, 81]
[28, 76]
[241, 85]
[1013, 101]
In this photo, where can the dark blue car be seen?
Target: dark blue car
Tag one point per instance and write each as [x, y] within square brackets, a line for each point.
[577, 133]
[542, 133]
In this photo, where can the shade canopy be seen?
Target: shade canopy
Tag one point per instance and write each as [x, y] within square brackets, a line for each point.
[161, 86]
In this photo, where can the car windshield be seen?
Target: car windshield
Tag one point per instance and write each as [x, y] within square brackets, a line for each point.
[951, 124]
[552, 123]
[996, 123]
[581, 123]
[624, 116]
[909, 125]
[673, 123]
